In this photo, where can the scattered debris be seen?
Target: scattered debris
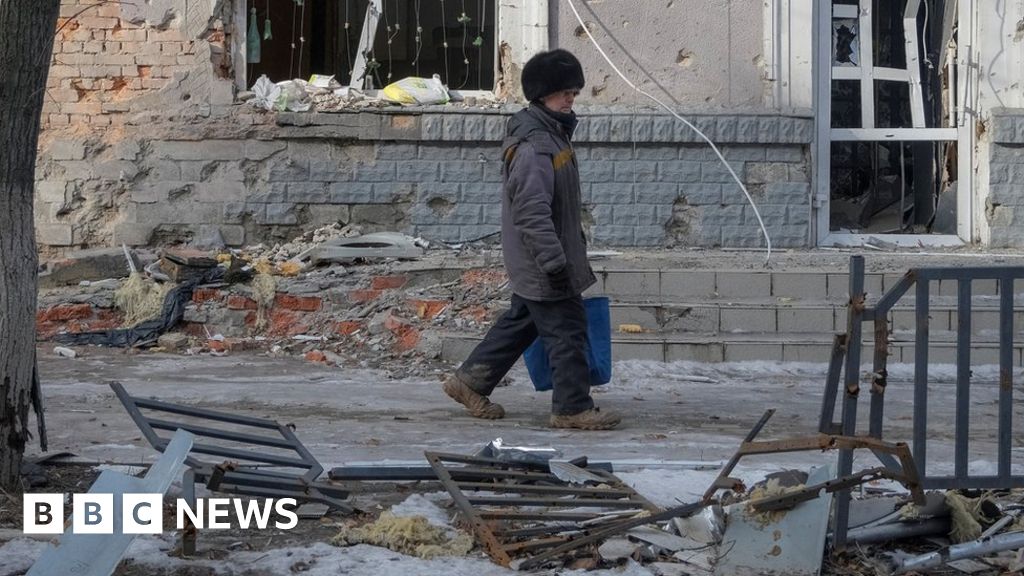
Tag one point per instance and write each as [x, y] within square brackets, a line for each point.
[99, 554]
[65, 352]
[412, 535]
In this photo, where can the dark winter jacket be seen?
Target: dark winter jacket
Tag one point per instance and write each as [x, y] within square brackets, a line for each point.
[541, 229]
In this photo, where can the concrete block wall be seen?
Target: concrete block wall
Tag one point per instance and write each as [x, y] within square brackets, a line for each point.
[1004, 205]
[434, 173]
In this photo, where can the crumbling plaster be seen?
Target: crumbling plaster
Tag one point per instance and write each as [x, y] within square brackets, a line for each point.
[697, 54]
[999, 89]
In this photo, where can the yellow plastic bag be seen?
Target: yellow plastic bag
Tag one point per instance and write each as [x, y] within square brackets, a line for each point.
[413, 90]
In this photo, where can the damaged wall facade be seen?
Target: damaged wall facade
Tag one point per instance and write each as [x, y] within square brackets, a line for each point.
[145, 143]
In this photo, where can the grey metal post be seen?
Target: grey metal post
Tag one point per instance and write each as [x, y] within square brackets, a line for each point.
[963, 376]
[921, 377]
[854, 318]
[1005, 375]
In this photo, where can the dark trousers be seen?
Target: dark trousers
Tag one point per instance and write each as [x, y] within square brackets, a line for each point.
[561, 325]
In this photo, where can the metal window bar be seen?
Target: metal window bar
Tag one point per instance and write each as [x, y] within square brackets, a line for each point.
[253, 474]
[848, 347]
[524, 512]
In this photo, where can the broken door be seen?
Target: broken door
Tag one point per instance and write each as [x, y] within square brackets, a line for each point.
[893, 145]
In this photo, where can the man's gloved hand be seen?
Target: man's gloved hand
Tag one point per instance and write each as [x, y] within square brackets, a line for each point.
[560, 280]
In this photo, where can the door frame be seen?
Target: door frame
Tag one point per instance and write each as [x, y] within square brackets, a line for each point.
[963, 133]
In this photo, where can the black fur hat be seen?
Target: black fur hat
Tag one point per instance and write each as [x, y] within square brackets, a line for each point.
[549, 72]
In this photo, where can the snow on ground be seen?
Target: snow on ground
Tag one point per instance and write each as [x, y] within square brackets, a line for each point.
[671, 412]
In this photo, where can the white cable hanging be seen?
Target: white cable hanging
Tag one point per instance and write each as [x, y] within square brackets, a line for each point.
[767, 239]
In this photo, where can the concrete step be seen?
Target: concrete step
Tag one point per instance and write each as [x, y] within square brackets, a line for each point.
[711, 317]
[796, 347]
[668, 285]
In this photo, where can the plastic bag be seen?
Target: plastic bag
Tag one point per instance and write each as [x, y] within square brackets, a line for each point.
[266, 93]
[599, 348]
[294, 97]
[413, 90]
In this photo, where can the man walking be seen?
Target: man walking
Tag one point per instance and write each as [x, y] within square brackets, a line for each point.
[545, 255]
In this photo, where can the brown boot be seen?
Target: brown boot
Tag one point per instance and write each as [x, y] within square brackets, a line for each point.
[592, 419]
[478, 405]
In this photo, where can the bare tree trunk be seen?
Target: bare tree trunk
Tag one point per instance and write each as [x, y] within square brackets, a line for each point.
[26, 43]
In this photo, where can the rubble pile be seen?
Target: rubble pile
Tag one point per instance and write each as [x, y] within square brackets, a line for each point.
[315, 296]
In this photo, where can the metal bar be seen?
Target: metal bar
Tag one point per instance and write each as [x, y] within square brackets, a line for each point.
[189, 530]
[480, 528]
[1009, 541]
[220, 434]
[531, 489]
[879, 375]
[963, 376]
[528, 546]
[541, 530]
[892, 295]
[683, 511]
[851, 373]
[972, 482]
[1005, 375]
[309, 495]
[898, 530]
[538, 515]
[921, 378]
[727, 469]
[535, 501]
[826, 424]
[790, 499]
[248, 455]
[893, 134]
[203, 413]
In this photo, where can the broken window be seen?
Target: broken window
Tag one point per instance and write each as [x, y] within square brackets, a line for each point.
[892, 165]
[454, 39]
[845, 45]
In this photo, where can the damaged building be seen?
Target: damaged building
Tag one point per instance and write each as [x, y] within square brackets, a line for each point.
[897, 121]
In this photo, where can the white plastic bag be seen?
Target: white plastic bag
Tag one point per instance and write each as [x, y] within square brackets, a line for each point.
[413, 90]
[293, 96]
[266, 93]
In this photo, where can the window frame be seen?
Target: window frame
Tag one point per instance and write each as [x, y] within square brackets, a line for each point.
[522, 24]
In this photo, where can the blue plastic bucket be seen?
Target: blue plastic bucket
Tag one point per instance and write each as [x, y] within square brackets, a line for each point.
[599, 348]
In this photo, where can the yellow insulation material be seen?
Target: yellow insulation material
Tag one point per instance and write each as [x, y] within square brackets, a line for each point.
[140, 298]
[411, 535]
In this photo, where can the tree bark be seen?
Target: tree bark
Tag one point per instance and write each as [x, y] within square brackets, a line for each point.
[26, 43]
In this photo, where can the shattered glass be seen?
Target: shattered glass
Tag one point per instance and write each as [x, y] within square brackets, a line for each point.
[845, 42]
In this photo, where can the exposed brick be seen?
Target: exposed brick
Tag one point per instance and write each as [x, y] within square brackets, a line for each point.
[428, 309]
[287, 323]
[483, 276]
[347, 327]
[408, 338]
[238, 302]
[388, 282]
[363, 296]
[201, 295]
[298, 303]
[64, 312]
[316, 356]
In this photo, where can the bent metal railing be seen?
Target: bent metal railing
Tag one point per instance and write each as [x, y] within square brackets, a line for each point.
[846, 360]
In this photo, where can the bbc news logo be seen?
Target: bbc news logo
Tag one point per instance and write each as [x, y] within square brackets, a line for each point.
[144, 513]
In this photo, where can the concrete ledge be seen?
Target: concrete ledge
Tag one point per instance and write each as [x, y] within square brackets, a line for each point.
[597, 125]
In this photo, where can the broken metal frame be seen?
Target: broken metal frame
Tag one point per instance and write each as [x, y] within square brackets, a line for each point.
[247, 474]
[517, 485]
[906, 472]
[846, 359]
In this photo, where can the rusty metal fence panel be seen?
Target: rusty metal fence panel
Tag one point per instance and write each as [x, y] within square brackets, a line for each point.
[846, 361]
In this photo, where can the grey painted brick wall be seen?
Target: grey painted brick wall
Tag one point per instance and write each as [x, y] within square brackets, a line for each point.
[1004, 207]
[647, 180]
